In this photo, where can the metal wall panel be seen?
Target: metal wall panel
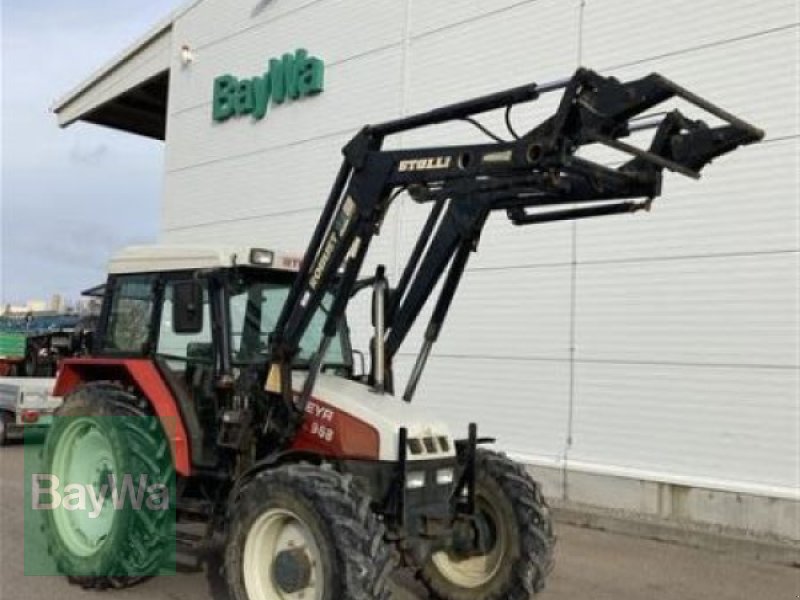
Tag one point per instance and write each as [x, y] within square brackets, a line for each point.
[738, 310]
[619, 32]
[684, 321]
[318, 28]
[729, 424]
[428, 17]
[208, 21]
[503, 49]
[195, 139]
[285, 231]
[687, 319]
[289, 231]
[750, 77]
[506, 313]
[521, 402]
[453, 55]
[275, 181]
[745, 203]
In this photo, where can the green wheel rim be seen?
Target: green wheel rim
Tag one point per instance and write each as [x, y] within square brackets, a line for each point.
[84, 457]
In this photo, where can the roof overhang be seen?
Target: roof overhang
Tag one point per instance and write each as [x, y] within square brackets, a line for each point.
[130, 92]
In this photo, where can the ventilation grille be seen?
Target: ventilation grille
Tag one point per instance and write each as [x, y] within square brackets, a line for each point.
[428, 445]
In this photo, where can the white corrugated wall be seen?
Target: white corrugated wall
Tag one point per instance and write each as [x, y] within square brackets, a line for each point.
[665, 345]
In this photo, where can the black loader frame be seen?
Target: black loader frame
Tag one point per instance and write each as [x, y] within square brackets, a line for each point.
[535, 178]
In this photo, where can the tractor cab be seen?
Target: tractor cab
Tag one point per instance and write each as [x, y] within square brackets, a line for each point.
[180, 303]
[202, 321]
[204, 317]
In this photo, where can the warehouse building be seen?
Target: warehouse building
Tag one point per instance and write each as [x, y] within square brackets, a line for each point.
[644, 363]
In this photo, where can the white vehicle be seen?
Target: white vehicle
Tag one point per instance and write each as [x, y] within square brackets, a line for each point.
[25, 404]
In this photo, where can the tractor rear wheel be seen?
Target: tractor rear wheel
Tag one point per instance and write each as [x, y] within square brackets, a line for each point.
[301, 531]
[516, 520]
[101, 435]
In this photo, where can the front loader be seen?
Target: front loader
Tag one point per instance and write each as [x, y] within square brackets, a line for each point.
[235, 370]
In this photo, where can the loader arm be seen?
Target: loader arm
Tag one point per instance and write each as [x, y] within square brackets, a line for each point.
[535, 178]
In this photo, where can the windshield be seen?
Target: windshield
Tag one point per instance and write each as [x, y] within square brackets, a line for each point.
[255, 307]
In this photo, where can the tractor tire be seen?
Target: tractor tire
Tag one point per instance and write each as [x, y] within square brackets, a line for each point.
[521, 555]
[30, 366]
[134, 544]
[305, 531]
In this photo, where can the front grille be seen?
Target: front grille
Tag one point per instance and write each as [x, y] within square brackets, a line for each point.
[415, 446]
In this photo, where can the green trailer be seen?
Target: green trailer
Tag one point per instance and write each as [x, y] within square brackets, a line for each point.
[12, 345]
[14, 350]
[31, 347]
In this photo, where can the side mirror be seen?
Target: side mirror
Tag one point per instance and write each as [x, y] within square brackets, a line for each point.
[187, 307]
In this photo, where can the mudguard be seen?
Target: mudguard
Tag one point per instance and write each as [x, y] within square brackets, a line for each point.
[145, 377]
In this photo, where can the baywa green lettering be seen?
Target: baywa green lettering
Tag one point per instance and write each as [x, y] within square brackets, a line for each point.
[290, 77]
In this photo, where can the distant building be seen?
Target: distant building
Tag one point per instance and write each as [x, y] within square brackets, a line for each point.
[57, 304]
[88, 306]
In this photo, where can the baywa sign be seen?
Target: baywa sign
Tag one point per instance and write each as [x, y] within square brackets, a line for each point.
[290, 77]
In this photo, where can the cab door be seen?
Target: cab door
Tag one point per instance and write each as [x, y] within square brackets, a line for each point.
[184, 354]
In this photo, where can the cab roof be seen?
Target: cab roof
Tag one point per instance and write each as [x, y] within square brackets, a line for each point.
[150, 259]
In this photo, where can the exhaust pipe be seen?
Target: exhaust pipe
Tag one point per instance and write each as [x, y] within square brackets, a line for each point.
[379, 292]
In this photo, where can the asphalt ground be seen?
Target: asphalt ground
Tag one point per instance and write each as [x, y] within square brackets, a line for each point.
[590, 564]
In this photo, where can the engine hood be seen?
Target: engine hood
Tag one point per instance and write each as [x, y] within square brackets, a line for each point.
[385, 413]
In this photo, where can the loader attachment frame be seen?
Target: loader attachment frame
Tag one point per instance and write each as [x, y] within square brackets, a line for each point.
[535, 178]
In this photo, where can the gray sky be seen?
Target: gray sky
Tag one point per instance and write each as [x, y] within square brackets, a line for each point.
[69, 197]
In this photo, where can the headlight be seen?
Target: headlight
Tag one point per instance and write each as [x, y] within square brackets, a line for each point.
[261, 257]
[444, 476]
[415, 480]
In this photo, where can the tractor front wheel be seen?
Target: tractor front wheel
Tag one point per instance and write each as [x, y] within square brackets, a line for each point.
[301, 531]
[515, 523]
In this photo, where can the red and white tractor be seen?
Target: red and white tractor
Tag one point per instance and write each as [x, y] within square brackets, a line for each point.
[232, 374]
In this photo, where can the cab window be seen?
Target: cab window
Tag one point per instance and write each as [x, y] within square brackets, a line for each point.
[184, 346]
[130, 315]
[255, 308]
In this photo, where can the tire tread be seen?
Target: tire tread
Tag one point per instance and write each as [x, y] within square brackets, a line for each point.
[365, 560]
[529, 572]
[145, 550]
